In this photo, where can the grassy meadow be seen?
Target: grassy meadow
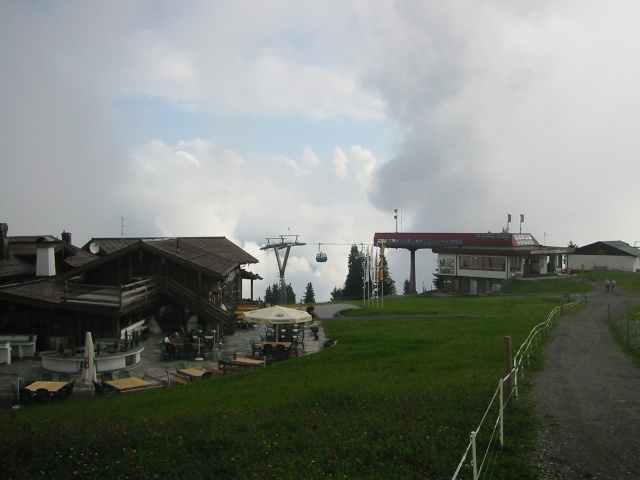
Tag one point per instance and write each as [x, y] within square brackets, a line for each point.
[397, 397]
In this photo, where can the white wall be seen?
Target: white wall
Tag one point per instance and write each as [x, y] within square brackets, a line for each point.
[612, 262]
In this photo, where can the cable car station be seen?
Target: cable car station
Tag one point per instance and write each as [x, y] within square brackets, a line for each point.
[479, 262]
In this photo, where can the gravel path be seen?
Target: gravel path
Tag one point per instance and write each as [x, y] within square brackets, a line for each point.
[588, 398]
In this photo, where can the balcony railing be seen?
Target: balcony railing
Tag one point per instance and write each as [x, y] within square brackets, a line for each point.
[119, 298]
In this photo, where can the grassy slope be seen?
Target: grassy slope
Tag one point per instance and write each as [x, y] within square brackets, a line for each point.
[396, 398]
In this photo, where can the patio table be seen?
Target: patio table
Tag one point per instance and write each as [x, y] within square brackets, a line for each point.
[130, 383]
[251, 362]
[273, 344]
[192, 372]
[50, 386]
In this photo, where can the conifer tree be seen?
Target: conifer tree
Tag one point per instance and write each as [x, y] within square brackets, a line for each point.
[336, 293]
[388, 284]
[309, 296]
[354, 284]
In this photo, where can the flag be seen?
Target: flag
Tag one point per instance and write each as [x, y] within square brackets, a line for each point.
[375, 273]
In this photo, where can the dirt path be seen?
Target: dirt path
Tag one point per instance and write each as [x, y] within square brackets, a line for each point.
[588, 398]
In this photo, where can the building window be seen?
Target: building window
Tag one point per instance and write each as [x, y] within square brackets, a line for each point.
[489, 264]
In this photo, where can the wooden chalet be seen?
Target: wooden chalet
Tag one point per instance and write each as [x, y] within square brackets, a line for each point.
[113, 283]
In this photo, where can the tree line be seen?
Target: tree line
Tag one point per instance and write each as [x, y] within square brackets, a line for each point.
[353, 288]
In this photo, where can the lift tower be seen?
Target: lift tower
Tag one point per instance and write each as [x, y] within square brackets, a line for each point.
[284, 242]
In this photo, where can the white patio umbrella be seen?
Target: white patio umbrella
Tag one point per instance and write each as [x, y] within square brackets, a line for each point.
[277, 315]
[88, 362]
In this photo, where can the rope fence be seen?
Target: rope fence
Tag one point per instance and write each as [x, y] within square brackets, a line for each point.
[493, 438]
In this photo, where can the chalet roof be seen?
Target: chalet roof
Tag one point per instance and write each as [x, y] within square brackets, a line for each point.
[247, 275]
[23, 254]
[15, 267]
[184, 247]
[614, 247]
[26, 246]
[213, 255]
[81, 257]
[45, 290]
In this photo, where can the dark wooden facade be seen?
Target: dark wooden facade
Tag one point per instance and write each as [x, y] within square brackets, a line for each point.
[169, 279]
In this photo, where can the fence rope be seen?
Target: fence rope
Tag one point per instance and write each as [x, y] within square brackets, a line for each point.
[518, 368]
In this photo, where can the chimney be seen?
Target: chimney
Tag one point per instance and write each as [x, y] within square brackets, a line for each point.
[45, 259]
[4, 242]
[66, 237]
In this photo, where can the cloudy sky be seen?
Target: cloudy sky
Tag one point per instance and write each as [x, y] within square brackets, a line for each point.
[251, 120]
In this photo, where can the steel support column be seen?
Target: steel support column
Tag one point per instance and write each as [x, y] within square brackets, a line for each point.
[412, 274]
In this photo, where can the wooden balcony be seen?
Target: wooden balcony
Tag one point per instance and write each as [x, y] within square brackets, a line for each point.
[121, 298]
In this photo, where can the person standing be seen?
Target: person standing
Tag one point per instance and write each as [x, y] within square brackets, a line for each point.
[163, 348]
[606, 285]
[613, 285]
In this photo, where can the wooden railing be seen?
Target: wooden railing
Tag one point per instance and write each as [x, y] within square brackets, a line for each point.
[121, 298]
[200, 306]
[129, 296]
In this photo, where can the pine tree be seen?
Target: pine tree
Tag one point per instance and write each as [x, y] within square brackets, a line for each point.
[438, 280]
[354, 284]
[406, 290]
[309, 296]
[272, 295]
[388, 284]
[268, 296]
[336, 294]
[290, 297]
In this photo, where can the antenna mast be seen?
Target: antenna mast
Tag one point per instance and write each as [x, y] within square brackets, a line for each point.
[283, 242]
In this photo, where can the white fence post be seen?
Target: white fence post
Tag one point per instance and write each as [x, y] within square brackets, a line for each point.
[474, 458]
[501, 413]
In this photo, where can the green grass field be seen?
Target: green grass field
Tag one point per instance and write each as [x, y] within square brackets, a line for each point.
[397, 397]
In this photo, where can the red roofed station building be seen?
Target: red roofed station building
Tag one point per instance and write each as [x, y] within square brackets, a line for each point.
[479, 262]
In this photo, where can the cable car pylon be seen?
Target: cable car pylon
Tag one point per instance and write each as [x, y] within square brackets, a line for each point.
[285, 242]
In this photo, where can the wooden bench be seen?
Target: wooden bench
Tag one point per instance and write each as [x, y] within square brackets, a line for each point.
[216, 371]
[162, 382]
[231, 366]
[150, 387]
[174, 377]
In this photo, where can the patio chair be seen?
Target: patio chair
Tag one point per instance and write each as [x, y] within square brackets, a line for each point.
[280, 352]
[189, 351]
[267, 350]
[170, 351]
[47, 377]
[26, 397]
[256, 349]
[208, 349]
[123, 374]
[98, 389]
[61, 394]
[42, 396]
[64, 377]
[106, 390]
[293, 348]
[70, 388]
[206, 375]
[180, 366]
[106, 376]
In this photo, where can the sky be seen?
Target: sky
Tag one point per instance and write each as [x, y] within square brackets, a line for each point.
[252, 120]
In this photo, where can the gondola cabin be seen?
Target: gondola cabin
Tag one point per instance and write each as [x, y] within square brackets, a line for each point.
[321, 257]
